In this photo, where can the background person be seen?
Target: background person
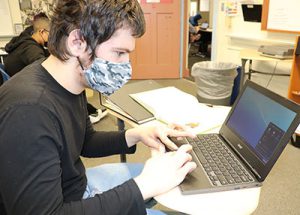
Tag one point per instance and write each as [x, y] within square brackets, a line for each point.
[29, 30]
[204, 38]
[194, 20]
[26, 48]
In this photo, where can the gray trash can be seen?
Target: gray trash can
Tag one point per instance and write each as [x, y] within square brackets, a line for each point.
[214, 81]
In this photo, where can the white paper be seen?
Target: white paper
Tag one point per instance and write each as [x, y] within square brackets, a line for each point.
[172, 105]
[284, 15]
[298, 130]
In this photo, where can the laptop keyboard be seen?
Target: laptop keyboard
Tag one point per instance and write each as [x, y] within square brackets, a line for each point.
[218, 161]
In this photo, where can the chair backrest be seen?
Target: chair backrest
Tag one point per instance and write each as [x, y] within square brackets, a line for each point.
[5, 76]
[236, 85]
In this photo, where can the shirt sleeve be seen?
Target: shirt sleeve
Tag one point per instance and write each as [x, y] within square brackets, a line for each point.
[103, 143]
[30, 151]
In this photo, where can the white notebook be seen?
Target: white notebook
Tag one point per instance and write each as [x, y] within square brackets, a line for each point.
[171, 105]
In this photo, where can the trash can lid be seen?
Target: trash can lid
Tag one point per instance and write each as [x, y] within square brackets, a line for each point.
[215, 65]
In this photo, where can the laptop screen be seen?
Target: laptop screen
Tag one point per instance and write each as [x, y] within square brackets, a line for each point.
[204, 25]
[260, 122]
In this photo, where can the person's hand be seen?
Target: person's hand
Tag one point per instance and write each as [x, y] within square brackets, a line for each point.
[157, 137]
[197, 28]
[194, 37]
[165, 171]
[197, 37]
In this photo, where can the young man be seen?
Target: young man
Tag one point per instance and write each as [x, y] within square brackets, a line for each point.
[44, 126]
[204, 38]
[26, 48]
[27, 31]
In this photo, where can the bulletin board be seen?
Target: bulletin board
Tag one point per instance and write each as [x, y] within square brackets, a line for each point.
[281, 16]
[6, 26]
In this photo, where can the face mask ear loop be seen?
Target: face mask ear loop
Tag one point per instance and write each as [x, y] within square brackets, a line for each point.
[41, 34]
[80, 64]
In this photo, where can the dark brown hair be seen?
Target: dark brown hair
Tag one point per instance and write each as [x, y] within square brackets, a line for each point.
[97, 21]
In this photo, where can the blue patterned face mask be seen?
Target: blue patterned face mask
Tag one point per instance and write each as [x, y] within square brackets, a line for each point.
[107, 77]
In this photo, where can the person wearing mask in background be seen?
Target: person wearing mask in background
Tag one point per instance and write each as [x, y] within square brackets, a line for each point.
[194, 20]
[27, 48]
[204, 38]
[28, 31]
[30, 46]
[46, 129]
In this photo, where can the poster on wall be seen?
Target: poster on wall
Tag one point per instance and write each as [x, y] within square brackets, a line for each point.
[284, 16]
[231, 8]
[29, 8]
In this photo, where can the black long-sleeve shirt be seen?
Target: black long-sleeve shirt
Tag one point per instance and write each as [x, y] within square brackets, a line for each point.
[44, 129]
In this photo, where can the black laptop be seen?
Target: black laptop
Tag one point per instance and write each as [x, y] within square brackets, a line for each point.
[254, 134]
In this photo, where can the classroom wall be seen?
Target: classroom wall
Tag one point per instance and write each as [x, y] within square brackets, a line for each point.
[23, 17]
[233, 34]
[15, 17]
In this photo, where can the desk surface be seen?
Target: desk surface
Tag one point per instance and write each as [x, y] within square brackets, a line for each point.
[233, 202]
[252, 54]
[2, 52]
[237, 202]
[206, 30]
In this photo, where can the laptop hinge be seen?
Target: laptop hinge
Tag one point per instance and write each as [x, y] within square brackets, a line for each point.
[257, 175]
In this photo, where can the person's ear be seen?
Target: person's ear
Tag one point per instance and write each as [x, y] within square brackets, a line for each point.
[76, 44]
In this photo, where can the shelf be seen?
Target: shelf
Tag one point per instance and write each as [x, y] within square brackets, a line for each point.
[258, 39]
[7, 36]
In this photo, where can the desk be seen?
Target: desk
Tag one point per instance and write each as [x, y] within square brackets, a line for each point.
[209, 30]
[230, 202]
[237, 202]
[2, 54]
[250, 54]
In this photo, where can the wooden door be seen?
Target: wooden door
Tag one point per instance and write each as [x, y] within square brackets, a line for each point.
[157, 53]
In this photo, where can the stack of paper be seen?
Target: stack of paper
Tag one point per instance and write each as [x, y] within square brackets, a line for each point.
[172, 105]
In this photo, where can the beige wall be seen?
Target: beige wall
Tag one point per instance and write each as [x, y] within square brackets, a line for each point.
[231, 34]
[16, 18]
